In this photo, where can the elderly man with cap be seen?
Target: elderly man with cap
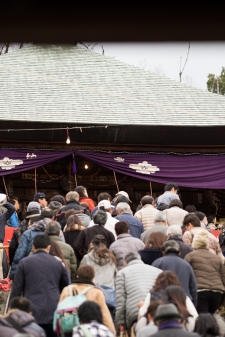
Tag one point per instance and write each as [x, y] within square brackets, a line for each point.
[41, 199]
[182, 269]
[106, 206]
[169, 322]
[3, 221]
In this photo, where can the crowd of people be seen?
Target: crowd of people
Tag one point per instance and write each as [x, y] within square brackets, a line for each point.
[101, 270]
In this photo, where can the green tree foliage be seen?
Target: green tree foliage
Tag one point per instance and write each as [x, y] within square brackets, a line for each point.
[216, 84]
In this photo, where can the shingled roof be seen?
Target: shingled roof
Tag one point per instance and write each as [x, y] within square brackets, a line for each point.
[74, 85]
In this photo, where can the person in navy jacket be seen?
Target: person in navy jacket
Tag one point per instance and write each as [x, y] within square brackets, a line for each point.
[41, 278]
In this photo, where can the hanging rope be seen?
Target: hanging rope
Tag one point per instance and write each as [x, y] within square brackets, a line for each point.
[35, 180]
[70, 177]
[6, 191]
[116, 181]
[151, 188]
[75, 178]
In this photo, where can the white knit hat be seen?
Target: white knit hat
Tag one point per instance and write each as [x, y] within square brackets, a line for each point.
[201, 241]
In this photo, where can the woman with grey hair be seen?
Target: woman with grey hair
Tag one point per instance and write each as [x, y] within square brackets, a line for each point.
[175, 233]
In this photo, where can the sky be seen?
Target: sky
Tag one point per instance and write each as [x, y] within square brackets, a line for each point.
[165, 58]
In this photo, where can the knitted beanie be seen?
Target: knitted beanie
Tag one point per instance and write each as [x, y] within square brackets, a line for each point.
[201, 241]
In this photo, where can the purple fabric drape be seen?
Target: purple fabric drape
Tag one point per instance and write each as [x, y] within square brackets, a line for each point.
[14, 161]
[199, 171]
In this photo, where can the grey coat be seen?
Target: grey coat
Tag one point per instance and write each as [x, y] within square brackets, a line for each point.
[125, 244]
[132, 285]
[105, 269]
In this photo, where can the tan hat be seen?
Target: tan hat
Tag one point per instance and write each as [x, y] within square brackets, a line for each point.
[125, 194]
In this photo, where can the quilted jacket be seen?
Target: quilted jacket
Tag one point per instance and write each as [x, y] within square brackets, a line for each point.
[208, 269]
[132, 285]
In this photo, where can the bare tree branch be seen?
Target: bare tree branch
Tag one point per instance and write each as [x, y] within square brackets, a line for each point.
[93, 46]
[181, 71]
[86, 46]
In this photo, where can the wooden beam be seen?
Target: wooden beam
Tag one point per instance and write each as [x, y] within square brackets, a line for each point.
[181, 148]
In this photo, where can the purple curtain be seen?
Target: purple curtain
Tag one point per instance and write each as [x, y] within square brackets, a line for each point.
[13, 161]
[199, 171]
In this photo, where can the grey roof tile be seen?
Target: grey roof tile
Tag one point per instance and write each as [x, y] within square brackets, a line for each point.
[48, 82]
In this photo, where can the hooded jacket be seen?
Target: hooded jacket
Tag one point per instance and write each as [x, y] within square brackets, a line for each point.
[25, 245]
[25, 320]
[105, 269]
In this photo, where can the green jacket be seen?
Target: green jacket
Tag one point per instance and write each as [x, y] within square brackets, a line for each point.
[68, 254]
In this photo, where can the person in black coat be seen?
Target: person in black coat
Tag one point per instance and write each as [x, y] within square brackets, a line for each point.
[153, 248]
[82, 242]
[184, 272]
[40, 278]
[72, 203]
[73, 228]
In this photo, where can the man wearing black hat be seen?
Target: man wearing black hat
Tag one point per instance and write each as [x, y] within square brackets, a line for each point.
[41, 199]
[169, 321]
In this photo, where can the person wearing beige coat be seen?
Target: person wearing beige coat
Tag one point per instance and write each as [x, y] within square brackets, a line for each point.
[147, 213]
[175, 214]
[209, 273]
[85, 278]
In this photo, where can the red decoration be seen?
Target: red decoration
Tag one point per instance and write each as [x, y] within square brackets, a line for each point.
[5, 284]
